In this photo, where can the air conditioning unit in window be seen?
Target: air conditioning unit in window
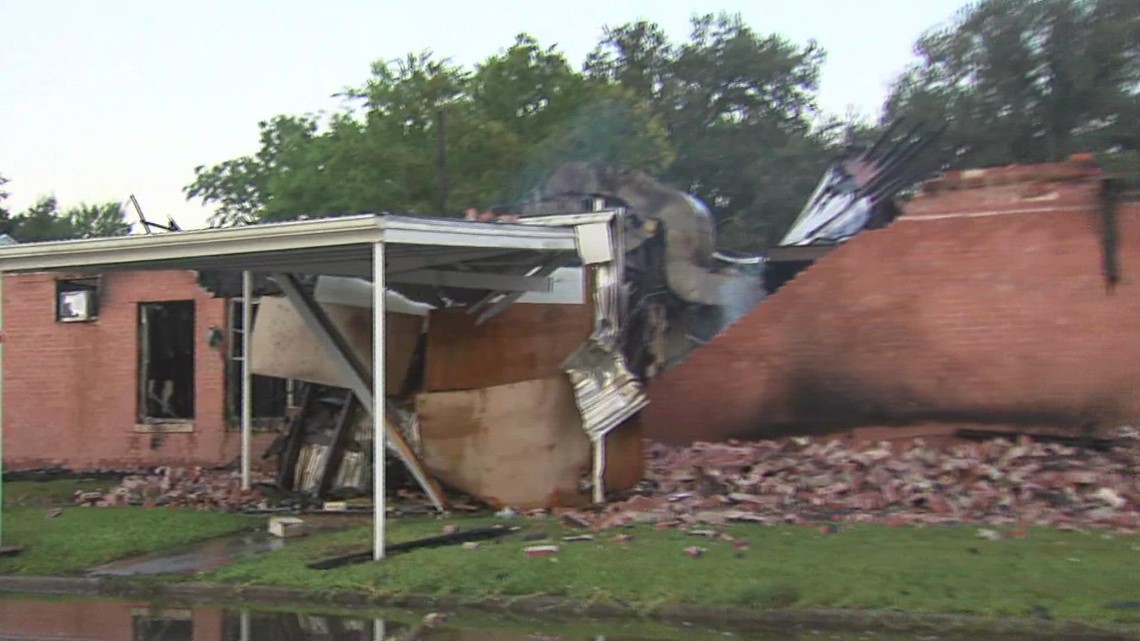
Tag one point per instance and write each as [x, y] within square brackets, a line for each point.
[77, 299]
[76, 305]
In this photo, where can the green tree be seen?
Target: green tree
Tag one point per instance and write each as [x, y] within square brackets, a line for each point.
[240, 188]
[551, 113]
[727, 115]
[739, 108]
[503, 125]
[5, 215]
[96, 221]
[1028, 80]
[43, 221]
[3, 196]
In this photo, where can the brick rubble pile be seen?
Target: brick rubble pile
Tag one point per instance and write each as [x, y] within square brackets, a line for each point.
[802, 480]
[188, 487]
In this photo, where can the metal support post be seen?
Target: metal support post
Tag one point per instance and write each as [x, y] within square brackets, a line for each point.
[600, 469]
[246, 375]
[378, 409]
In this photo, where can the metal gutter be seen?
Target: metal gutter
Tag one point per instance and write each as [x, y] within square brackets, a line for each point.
[202, 243]
[272, 242]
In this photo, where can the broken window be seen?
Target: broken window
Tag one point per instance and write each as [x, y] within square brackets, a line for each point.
[76, 300]
[271, 395]
[166, 361]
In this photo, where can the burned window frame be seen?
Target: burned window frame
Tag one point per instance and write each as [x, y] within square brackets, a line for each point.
[235, 353]
[184, 421]
[91, 285]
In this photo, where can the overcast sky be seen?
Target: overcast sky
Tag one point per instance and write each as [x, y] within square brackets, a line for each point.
[99, 100]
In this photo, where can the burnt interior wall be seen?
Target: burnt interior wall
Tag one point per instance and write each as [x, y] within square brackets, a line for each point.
[980, 304]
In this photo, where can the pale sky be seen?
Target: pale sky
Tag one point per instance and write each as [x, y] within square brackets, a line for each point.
[99, 100]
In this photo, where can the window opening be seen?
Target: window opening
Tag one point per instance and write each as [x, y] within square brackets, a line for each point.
[272, 396]
[166, 361]
[76, 300]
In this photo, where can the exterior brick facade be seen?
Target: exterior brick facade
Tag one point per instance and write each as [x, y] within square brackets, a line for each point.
[106, 620]
[71, 389]
[986, 301]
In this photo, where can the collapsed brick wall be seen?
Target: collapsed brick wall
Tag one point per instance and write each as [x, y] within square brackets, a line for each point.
[71, 389]
[987, 301]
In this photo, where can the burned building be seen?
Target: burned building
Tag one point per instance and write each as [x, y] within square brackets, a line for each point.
[124, 369]
[999, 296]
[516, 347]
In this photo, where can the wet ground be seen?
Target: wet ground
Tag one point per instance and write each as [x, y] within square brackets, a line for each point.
[202, 557]
[39, 619]
[213, 554]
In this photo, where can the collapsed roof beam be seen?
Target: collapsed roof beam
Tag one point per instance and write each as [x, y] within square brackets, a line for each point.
[509, 298]
[357, 377]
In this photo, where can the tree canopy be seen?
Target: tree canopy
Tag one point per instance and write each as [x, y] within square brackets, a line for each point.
[1028, 80]
[44, 221]
[728, 115]
[500, 127]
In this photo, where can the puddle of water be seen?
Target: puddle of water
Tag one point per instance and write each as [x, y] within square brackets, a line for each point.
[201, 557]
[36, 619]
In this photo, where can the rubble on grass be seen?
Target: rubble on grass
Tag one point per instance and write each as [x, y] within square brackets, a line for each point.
[538, 551]
[184, 487]
[1015, 483]
[1004, 485]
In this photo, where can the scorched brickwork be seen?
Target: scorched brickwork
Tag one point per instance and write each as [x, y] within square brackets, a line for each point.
[986, 301]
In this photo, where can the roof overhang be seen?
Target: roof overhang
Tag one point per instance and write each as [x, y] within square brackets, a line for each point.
[437, 261]
[333, 246]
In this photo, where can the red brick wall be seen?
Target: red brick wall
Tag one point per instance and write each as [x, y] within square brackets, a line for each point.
[986, 301]
[95, 620]
[70, 389]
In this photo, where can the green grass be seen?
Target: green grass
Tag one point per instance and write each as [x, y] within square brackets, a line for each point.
[82, 537]
[938, 569]
[47, 493]
[949, 570]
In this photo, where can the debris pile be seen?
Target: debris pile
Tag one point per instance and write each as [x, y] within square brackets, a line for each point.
[186, 487]
[805, 481]
[999, 482]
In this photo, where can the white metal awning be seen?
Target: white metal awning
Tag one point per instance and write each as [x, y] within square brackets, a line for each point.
[326, 246]
[487, 260]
